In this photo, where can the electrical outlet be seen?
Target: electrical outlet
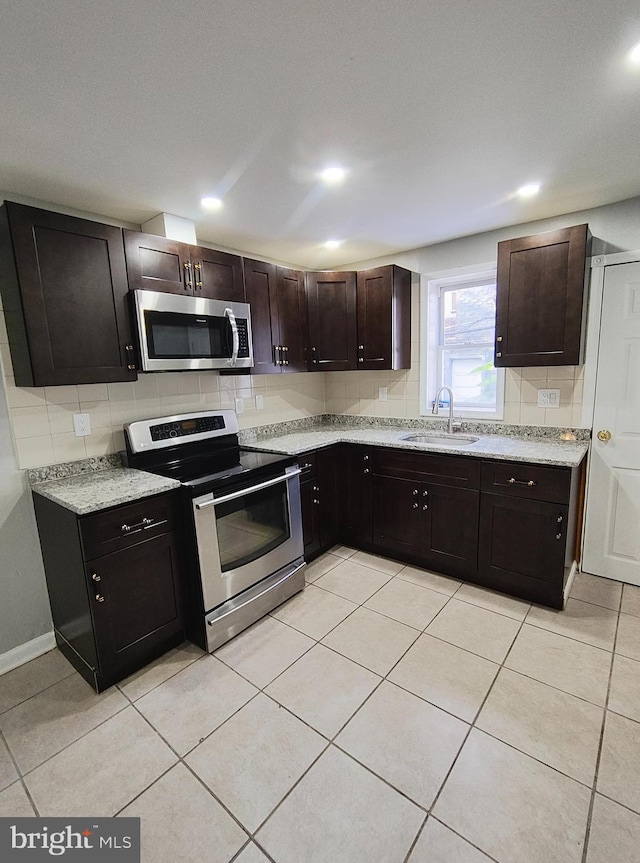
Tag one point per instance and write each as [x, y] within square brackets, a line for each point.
[382, 394]
[548, 398]
[259, 403]
[239, 406]
[82, 425]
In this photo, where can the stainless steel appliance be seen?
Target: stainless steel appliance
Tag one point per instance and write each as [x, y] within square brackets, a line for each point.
[242, 518]
[177, 333]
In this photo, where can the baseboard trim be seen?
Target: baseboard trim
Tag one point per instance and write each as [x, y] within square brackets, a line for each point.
[26, 652]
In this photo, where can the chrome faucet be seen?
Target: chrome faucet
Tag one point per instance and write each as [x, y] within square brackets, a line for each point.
[450, 425]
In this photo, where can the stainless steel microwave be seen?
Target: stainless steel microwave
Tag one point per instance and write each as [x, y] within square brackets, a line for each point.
[178, 333]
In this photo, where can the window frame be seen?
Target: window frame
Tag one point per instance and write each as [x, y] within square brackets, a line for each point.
[431, 341]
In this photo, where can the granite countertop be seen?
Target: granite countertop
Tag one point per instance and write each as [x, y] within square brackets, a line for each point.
[507, 448]
[94, 490]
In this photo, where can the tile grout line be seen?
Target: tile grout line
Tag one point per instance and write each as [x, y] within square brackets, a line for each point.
[592, 799]
[473, 724]
[19, 777]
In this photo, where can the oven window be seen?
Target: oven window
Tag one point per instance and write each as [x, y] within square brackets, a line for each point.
[178, 336]
[252, 526]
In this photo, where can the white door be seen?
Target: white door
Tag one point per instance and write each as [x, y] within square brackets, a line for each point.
[612, 522]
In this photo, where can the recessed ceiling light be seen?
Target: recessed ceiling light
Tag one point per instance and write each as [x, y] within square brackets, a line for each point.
[634, 54]
[333, 174]
[529, 190]
[333, 244]
[211, 203]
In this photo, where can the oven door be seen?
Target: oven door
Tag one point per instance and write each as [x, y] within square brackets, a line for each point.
[246, 535]
[177, 333]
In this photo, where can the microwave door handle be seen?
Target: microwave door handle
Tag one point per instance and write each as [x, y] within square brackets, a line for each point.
[234, 332]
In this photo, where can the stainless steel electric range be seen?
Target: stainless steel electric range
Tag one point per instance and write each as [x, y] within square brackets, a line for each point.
[243, 519]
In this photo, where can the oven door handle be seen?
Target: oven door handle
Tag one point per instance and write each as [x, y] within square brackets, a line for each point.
[236, 494]
[228, 313]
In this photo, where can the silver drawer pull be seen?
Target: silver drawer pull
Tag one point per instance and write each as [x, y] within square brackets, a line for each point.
[145, 524]
[307, 465]
[528, 482]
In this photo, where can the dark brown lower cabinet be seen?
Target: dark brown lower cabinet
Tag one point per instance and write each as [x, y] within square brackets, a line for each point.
[355, 522]
[114, 612]
[522, 547]
[320, 505]
[434, 525]
[510, 526]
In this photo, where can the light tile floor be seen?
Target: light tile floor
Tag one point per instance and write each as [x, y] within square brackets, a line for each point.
[385, 715]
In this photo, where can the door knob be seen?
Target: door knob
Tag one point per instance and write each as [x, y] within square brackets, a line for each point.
[604, 435]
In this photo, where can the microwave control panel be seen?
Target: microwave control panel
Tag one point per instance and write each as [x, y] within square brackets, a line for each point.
[243, 337]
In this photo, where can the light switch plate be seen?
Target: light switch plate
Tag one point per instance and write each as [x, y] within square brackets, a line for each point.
[82, 425]
[259, 402]
[548, 398]
[239, 406]
[382, 394]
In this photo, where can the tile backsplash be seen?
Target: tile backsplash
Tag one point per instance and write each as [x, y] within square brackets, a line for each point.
[356, 393]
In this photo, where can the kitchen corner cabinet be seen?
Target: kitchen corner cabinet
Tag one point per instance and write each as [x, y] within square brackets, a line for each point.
[159, 264]
[528, 524]
[318, 494]
[114, 581]
[64, 289]
[278, 317]
[331, 300]
[539, 298]
[384, 318]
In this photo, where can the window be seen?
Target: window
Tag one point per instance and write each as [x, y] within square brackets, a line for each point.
[460, 334]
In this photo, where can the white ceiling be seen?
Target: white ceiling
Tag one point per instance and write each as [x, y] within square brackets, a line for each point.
[440, 109]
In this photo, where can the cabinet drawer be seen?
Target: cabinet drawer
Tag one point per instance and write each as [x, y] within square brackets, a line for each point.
[427, 467]
[309, 465]
[125, 526]
[529, 481]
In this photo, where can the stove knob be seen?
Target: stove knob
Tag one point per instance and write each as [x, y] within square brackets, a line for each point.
[173, 434]
[163, 435]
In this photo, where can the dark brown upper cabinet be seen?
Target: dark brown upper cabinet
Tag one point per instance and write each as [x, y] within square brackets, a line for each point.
[158, 264]
[331, 298]
[539, 300]
[278, 317]
[64, 288]
[384, 318]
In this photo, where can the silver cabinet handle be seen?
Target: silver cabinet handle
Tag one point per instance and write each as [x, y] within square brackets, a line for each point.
[236, 494]
[234, 334]
[529, 482]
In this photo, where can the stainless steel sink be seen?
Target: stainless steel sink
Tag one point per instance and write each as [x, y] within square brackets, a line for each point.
[442, 439]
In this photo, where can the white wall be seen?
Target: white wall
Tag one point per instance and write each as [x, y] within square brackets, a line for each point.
[24, 604]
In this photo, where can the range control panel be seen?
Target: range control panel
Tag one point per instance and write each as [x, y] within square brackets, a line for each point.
[192, 425]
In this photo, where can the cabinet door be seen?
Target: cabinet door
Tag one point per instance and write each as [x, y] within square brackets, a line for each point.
[292, 318]
[331, 299]
[396, 515]
[217, 275]
[327, 494]
[522, 547]
[261, 294]
[449, 528]
[384, 318]
[539, 298]
[355, 495]
[310, 517]
[157, 264]
[136, 603]
[65, 299]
